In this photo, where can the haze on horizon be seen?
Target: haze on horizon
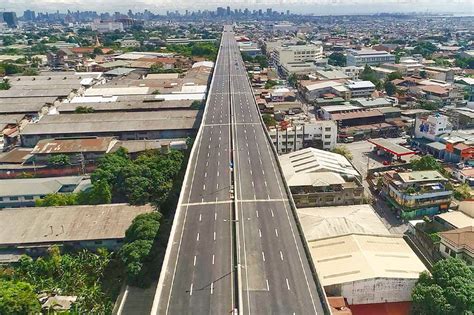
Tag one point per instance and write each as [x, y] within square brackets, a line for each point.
[317, 7]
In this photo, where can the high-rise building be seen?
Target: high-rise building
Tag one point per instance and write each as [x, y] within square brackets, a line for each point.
[228, 11]
[29, 15]
[11, 19]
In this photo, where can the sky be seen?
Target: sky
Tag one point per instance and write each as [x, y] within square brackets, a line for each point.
[318, 7]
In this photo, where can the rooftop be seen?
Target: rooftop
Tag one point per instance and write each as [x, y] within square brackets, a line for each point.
[322, 222]
[71, 223]
[113, 122]
[53, 146]
[421, 176]
[391, 147]
[457, 219]
[360, 85]
[311, 160]
[36, 186]
[460, 238]
[355, 257]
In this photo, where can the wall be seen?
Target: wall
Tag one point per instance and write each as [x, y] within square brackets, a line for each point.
[376, 290]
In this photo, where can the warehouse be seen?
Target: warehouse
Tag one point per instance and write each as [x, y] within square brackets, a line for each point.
[124, 126]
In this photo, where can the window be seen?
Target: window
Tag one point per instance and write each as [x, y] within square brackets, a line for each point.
[327, 136]
[97, 242]
[29, 197]
[327, 143]
[13, 198]
[327, 128]
[446, 250]
[453, 254]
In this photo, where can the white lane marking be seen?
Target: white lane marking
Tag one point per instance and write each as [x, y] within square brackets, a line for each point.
[268, 286]
[191, 290]
[265, 182]
[251, 173]
[218, 153]
[204, 187]
[213, 259]
[271, 210]
[263, 256]
[253, 184]
[281, 255]
[256, 212]
[212, 287]
[217, 186]
[205, 174]
[200, 217]
[214, 236]
[263, 172]
[215, 216]
[217, 173]
[194, 263]
[197, 237]
[260, 232]
[288, 284]
[276, 232]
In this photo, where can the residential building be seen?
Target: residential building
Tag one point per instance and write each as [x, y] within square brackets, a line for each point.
[431, 127]
[318, 89]
[129, 43]
[439, 73]
[25, 191]
[458, 243]
[366, 269]
[321, 178]
[360, 88]
[368, 57]
[319, 134]
[417, 194]
[91, 227]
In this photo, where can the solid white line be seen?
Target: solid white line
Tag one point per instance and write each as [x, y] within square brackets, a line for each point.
[122, 302]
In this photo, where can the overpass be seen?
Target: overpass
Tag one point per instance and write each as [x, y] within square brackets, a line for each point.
[235, 245]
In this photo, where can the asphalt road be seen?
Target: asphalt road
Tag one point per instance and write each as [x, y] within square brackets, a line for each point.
[198, 272]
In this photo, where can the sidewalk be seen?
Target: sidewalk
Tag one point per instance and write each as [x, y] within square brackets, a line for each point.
[135, 301]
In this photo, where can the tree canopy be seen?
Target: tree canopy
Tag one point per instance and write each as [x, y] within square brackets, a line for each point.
[343, 150]
[18, 298]
[448, 291]
[337, 59]
[390, 88]
[368, 74]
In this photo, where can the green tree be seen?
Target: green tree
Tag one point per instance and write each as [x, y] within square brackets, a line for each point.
[426, 49]
[368, 74]
[343, 150]
[394, 75]
[57, 199]
[144, 227]
[197, 105]
[18, 298]
[462, 192]
[292, 80]
[390, 88]
[270, 84]
[83, 110]
[449, 290]
[58, 160]
[133, 255]
[423, 74]
[269, 120]
[99, 194]
[337, 59]
[5, 84]
[425, 163]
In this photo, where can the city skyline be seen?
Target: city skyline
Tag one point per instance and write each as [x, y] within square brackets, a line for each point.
[316, 7]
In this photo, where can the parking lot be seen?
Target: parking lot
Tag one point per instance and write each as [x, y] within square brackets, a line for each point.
[363, 158]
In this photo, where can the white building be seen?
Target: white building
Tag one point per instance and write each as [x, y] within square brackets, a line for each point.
[368, 57]
[297, 53]
[129, 43]
[316, 90]
[366, 269]
[106, 27]
[432, 126]
[322, 134]
[360, 88]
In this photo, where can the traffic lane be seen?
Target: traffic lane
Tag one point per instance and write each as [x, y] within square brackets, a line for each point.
[272, 277]
[206, 237]
[212, 168]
